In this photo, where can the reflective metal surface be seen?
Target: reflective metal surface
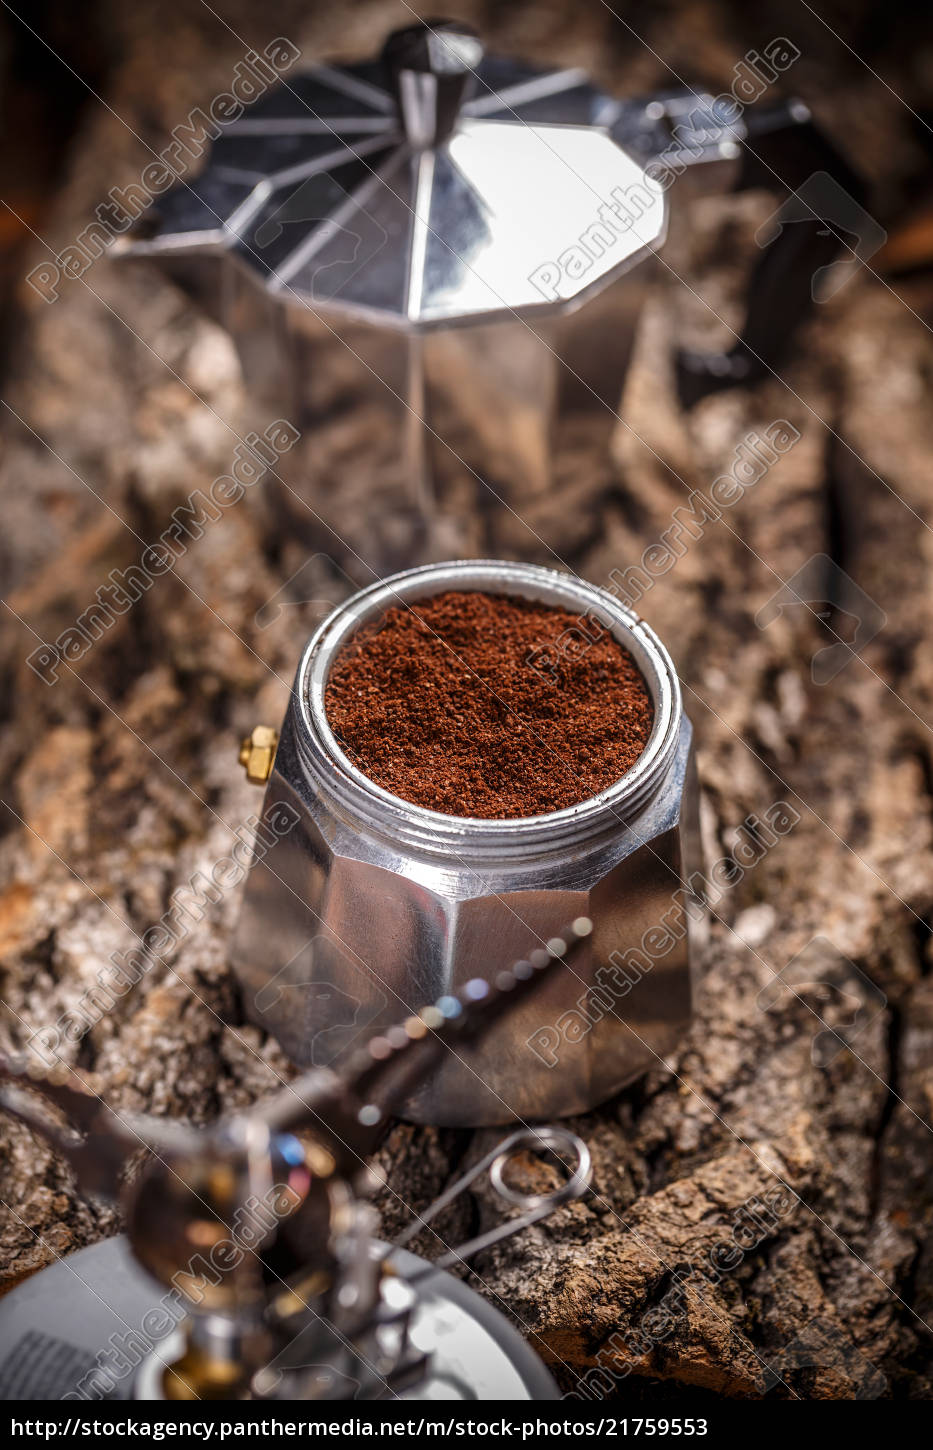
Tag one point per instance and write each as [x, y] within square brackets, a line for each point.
[371, 905]
[474, 1351]
[475, 230]
[416, 195]
[255, 1227]
[424, 195]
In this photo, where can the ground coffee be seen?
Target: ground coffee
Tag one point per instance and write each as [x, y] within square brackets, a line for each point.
[438, 704]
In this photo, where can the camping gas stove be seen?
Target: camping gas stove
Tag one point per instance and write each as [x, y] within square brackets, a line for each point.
[251, 1267]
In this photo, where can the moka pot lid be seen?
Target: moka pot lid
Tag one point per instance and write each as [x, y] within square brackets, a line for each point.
[432, 186]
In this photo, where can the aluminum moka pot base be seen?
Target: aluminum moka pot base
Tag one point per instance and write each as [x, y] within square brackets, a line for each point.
[370, 906]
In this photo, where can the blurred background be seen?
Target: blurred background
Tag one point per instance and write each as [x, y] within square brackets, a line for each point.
[57, 58]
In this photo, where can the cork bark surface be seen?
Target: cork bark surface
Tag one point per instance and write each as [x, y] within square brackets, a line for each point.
[121, 779]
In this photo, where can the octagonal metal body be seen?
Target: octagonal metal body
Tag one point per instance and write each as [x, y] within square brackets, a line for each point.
[370, 906]
[461, 226]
